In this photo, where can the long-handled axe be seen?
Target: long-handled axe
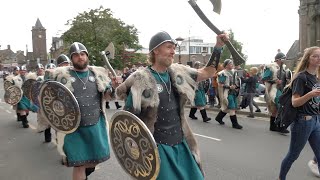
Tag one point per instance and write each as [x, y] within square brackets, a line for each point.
[237, 58]
[107, 54]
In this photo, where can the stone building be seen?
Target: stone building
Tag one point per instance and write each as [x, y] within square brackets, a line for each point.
[309, 30]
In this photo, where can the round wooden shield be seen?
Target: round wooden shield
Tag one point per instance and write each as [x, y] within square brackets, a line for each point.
[134, 146]
[27, 86]
[13, 95]
[35, 91]
[7, 84]
[59, 107]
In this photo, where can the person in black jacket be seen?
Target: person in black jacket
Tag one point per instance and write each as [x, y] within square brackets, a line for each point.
[250, 89]
[306, 98]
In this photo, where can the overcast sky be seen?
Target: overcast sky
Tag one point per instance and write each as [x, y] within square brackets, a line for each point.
[262, 26]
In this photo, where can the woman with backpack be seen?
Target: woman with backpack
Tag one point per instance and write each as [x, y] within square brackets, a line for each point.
[305, 98]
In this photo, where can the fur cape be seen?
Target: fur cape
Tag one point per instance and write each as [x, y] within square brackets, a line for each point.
[62, 74]
[223, 93]
[142, 86]
[271, 89]
[16, 80]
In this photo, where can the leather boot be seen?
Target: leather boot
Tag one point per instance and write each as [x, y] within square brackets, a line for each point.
[204, 115]
[89, 171]
[24, 121]
[117, 104]
[220, 116]
[107, 105]
[234, 122]
[47, 135]
[192, 113]
[273, 126]
[18, 117]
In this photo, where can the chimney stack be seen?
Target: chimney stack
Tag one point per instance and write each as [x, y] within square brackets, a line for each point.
[8, 47]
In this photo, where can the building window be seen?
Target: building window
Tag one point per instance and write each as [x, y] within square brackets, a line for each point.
[195, 50]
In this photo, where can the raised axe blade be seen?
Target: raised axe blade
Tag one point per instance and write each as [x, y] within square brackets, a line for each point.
[110, 51]
[216, 6]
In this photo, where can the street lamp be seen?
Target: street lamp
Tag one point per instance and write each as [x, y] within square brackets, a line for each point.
[204, 54]
[179, 40]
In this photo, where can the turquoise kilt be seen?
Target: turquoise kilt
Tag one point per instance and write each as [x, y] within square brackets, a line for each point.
[232, 101]
[88, 144]
[200, 98]
[178, 163]
[25, 104]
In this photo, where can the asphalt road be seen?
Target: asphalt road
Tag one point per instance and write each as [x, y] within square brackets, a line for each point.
[253, 153]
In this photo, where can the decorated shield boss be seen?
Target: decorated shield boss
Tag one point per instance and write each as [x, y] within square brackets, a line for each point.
[27, 86]
[59, 107]
[12, 95]
[134, 146]
[7, 84]
[35, 91]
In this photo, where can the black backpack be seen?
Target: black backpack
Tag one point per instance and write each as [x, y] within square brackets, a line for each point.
[286, 112]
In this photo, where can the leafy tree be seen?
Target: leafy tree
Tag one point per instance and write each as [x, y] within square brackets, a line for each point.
[237, 45]
[96, 29]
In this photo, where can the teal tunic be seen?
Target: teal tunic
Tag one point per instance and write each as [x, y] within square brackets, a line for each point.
[88, 144]
[200, 97]
[26, 104]
[177, 162]
[267, 76]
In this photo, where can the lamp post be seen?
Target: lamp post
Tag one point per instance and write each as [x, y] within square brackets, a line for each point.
[204, 54]
[179, 40]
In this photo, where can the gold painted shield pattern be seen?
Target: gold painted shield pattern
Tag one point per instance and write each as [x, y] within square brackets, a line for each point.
[59, 107]
[134, 146]
[12, 95]
[27, 86]
[35, 91]
[7, 84]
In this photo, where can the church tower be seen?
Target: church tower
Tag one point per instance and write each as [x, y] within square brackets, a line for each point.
[39, 44]
[309, 25]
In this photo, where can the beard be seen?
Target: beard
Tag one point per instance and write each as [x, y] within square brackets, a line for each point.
[80, 66]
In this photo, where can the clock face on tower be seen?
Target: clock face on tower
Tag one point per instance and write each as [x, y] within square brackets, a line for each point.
[39, 36]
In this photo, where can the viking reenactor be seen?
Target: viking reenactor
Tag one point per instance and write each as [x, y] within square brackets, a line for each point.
[157, 94]
[87, 144]
[228, 87]
[25, 104]
[63, 60]
[14, 79]
[43, 125]
[200, 99]
[275, 79]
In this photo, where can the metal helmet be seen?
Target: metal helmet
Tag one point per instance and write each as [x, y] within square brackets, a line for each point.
[50, 66]
[40, 66]
[23, 67]
[62, 59]
[160, 38]
[77, 47]
[197, 64]
[226, 62]
[16, 68]
[279, 56]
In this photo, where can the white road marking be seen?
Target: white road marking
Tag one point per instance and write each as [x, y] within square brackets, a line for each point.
[8, 111]
[216, 139]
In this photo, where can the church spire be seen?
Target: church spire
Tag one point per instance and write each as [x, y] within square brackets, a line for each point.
[38, 25]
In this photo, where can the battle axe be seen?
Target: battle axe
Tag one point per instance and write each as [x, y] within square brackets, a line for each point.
[107, 54]
[237, 58]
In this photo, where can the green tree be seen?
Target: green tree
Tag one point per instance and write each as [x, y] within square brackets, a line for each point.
[96, 29]
[237, 45]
